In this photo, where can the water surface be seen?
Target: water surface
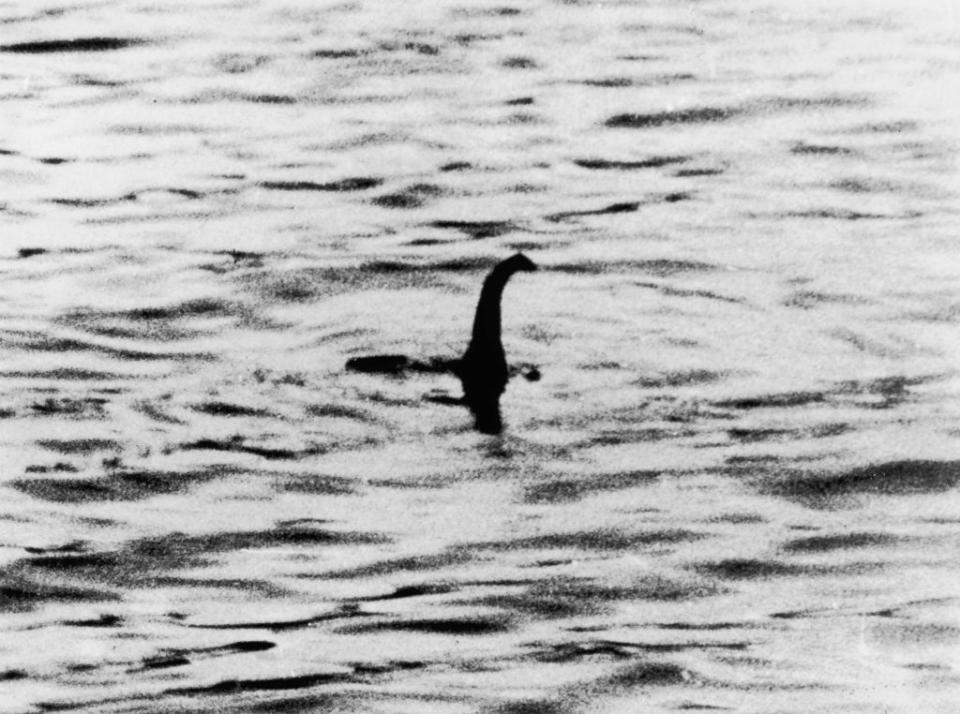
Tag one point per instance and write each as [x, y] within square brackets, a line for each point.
[735, 486]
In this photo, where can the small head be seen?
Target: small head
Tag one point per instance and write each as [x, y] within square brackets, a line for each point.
[517, 262]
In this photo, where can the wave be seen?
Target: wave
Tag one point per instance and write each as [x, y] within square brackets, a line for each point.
[712, 114]
[76, 44]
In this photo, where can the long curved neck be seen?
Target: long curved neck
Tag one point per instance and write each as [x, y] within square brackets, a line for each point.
[486, 323]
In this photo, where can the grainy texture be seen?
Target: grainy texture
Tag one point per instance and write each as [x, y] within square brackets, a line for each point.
[729, 481]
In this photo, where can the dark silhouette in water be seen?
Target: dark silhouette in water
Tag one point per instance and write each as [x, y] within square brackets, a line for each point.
[482, 370]
[483, 367]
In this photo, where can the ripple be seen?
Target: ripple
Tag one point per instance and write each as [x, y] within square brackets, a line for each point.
[894, 478]
[409, 591]
[843, 541]
[118, 486]
[887, 127]
[18, 595]
[30, 252]
[661, 267]
[749, 569]
[616, 649]
[413, 196]
[264, 98]
[65, 373]
[477, 229]
[628, 207]
[339, 411]
[707, 171]
[846, 214]
[653, 162]
[59, 467]
[767, 401]
[75, 546]
[456, 166]
[79, 44]
[178, 657]
[417, 563]
[600, 539]
[84, 408]
[712, 114]
[104, 620]
[239, 63]
[471, 626]
[90, 202]
[683, 292]
[356, 183]
[79, 446]
[236, 444]
[650, 674]
[533, 706]
[35, 342]
[238, 686]
[648, 81]
[319, 484]
[684, 116]
[560, 490]
[884, 392]
[519, 62]
[681, 378]
[338, 53]
[563, 597]
[808, 299]
[226, 409]
[345, 612]
[803, 148]
[155, 562]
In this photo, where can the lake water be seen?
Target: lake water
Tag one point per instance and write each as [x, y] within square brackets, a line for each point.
[736, 486]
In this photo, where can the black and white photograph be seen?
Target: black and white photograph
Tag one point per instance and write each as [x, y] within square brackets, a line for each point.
[480, 356]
